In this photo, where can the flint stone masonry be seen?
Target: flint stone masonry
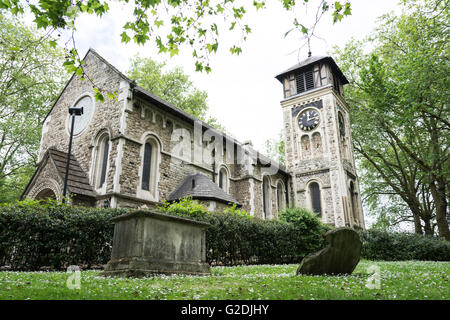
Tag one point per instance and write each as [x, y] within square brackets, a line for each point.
[341, 256]
[147, 243]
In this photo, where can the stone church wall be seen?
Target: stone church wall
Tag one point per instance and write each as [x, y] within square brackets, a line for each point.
[128, 120]
[144, 118]
[106, 116]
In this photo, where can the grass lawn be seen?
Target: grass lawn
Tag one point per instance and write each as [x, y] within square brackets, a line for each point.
[399, 280]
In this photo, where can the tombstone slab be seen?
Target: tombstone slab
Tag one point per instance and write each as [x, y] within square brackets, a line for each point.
[340, 256]
[147, 243]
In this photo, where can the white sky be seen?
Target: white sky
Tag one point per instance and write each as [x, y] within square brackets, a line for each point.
[243, 93]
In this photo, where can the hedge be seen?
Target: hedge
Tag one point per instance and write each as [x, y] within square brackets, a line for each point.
[234, 237]
[399, 246]
[55, 236]
[235, 240]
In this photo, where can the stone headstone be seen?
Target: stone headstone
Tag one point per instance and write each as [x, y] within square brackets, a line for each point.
[340, 256]
[146, 243]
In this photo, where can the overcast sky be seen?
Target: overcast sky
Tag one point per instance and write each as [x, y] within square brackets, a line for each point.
[243, 93]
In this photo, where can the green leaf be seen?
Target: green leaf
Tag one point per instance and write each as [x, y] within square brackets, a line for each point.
[304, 29]
[99, 96]
[125, 37]
[235, 50]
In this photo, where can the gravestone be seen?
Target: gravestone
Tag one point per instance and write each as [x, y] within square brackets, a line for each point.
[147, 243]
[340, 256]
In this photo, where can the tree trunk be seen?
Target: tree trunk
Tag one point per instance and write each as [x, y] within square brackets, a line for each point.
[417, 224]
[414, 206]
[441, 209]
[427, 227]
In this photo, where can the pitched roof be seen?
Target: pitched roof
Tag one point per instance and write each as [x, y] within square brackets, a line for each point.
[199, 186]
[77, 181]
[166, 106]
[312, 60]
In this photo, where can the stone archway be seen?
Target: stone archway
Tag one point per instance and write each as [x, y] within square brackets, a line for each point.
[45, 194]
[49, 189]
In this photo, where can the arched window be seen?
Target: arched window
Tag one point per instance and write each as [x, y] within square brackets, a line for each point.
[316, 203]
[223, 179]
[305, 147]
[101, 161]
[317, 144]
[149, 165]
[353, 200]
[281, 196]
[266, 197]
[148, 150]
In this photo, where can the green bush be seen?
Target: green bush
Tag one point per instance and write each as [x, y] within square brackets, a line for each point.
[54, 235]
[233, 210]
[397, 246]
[233, 240]
[185, 207]
[304, 219]
[234, 237]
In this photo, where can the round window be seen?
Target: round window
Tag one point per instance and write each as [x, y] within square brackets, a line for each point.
[82, 121]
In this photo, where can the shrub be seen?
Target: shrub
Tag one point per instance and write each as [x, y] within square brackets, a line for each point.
[395, 246]
[233, 240]
[57, 235]
[54, 235]
[304, 219]
[185, 207]
[234, 237]
[233, 210]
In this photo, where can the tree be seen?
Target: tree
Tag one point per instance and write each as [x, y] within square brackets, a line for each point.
[173, 86]
[170, 24]
[31, 75]
[399, 103]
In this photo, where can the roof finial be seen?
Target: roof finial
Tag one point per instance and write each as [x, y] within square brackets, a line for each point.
[309, 47]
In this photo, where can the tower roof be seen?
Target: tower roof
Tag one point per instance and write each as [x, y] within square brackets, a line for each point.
[313, 60]
[199, 186]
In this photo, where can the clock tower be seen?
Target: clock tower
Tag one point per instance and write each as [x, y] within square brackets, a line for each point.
[318, 142]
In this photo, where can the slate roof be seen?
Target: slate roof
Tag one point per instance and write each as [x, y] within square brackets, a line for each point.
[200, 187]
[166, 106]
[312, 60]
[77, 181]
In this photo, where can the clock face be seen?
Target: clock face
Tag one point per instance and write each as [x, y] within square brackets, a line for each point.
[82, 121]
[309, 119]
[341, 124]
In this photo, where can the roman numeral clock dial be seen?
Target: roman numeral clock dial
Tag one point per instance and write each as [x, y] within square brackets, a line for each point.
[309, 120]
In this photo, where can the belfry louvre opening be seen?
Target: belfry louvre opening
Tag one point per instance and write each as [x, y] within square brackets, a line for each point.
[312, 78]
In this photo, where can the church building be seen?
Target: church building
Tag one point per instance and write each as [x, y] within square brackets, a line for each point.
[138, 151]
